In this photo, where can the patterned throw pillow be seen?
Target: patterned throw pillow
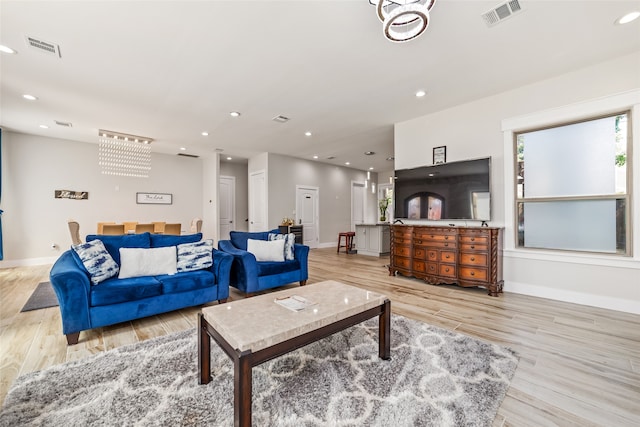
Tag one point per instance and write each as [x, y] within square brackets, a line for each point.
[195, 256]
[96, 260]
[289, 240]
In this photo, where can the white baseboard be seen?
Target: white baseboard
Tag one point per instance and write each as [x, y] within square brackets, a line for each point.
[27, 262]
[618, 304]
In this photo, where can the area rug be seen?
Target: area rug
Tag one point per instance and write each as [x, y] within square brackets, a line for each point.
[434, 378]
[42, 297]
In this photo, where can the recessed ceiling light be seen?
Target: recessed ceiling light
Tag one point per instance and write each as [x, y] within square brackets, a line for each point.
[29, 97]
[347, 163]
[307, 133]
[183, 148]
[7, 49]
[205, 133]
[629, 17]
[234, 114]
[229, 158]
[371, 168]
[44, 126]
[390, 158]
[315, 157]
[420, 93]
[369, 153]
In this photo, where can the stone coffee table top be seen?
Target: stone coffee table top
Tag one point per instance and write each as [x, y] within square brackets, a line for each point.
[258, 322]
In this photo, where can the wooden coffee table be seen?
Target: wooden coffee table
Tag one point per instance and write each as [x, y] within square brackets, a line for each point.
[257, 329]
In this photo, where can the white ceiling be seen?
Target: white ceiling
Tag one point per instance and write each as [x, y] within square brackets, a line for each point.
[172, 69]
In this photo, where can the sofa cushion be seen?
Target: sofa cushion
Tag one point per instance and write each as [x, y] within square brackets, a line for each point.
[195, 256]
[137, 262]
[114, 243]
[96, 260]
[163, 240]
[114, 291]
[289, 240]
[187, 281]
[266, 250]
[239, 238]
[267, 268]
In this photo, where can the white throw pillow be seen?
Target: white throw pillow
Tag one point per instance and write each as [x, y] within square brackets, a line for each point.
[265, 250]
[137, 262]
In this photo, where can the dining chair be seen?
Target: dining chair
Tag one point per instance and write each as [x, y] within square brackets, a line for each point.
[158, 227]
[173, 229]
[101, 224]
[144, 228]
[74, 229]
[129, 226]
[113, 229]
[196, 225]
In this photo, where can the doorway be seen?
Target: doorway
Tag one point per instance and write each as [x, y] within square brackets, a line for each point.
[307, 213]
[358, 194]
[257, 201]
[227, 206]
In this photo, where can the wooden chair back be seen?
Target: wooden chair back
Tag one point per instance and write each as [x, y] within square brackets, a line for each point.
[129, 226]
[113, 229]
[173, 229]
[144, 228]
[101, 224]
[74, 230]
[158, 227]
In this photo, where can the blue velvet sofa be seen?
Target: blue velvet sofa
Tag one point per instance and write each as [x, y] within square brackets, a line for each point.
[249, 275]
[85, 305]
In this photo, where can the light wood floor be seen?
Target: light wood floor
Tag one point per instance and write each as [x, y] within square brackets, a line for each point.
[579, 366]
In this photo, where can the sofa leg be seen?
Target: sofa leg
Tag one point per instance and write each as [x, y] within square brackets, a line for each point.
[303, 282]
[222, 301]
[73, 338]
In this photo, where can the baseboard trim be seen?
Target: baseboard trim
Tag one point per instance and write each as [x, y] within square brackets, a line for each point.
[29, 262]
[600, 301]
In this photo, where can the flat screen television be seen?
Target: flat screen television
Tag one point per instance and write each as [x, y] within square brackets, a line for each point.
[446, 191]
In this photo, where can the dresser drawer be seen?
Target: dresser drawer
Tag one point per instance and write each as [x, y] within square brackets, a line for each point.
[447, 270]
[402, 251]
[432, 268]
[419, 253]
[447, 256]
[419, 266]
[480, 239]
[473, 259]
[473, 273]
[473, 247]
[402, 262]
[402, 240]
[432, 255]
[436, 237]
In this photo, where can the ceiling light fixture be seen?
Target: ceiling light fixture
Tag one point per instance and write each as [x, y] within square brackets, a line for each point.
[229, 158]
[315, 157]
[44, 126]
[183, 148]
[369, 153]
[205, 133]
[347, 163]
[629, 17]
[124, 155]
[307, 133]
[29, 97]
[7, 49]
[371, 168]
[234, 114]
[403, 20]
[420, 93]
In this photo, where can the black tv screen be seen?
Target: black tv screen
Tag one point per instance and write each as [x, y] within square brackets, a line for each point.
[447, 191]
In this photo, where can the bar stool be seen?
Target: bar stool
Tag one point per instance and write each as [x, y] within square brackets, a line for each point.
[348, 240]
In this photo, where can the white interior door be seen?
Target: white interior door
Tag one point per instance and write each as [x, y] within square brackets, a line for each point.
[357, 204]
[307, 213]
[227, 206]
[257, 201]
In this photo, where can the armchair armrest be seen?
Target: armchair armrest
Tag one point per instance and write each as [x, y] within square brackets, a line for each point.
[72, 287]
[244, 268]
[301, 253]
[221, 268]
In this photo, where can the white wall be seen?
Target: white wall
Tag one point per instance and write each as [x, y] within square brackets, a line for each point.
[34, 167]
[474, 130]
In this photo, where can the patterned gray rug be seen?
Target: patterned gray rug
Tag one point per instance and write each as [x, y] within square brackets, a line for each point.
[435, 378]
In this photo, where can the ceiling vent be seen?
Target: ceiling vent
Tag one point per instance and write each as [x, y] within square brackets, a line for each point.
[44, 47]
[188, 155]
[65, 124]
[280, 119]
[501, 12]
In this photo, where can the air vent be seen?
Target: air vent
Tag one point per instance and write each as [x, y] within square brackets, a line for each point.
[44, 47]
[501, 12]
[65, 124]
[331, 157]
[280, 119]
[188, 155]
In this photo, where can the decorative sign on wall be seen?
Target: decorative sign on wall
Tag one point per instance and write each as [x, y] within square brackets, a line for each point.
[154, 198]
[67, 194]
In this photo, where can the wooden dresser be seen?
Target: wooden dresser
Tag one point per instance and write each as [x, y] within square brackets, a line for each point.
[468, 256]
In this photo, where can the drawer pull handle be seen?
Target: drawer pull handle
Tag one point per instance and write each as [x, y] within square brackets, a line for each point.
[447, 256]
[446, 238]
[473, 273]
[473, 247]
[446, 244]
[432, 236]
[473, 239]
[446, 270]
[473, 258]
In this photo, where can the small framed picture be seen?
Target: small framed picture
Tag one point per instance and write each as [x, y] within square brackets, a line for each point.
[439, 155]
[154, 198]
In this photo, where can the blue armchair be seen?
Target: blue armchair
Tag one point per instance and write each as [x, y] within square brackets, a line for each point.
[249, 275]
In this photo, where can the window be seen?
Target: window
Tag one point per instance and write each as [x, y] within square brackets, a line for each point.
[572, 190]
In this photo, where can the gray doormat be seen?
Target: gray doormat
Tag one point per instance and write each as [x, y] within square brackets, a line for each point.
[42, 297]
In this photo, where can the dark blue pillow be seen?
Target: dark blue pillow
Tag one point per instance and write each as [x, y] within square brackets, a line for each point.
[164, 240]
[239, 238]
[114, 243]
